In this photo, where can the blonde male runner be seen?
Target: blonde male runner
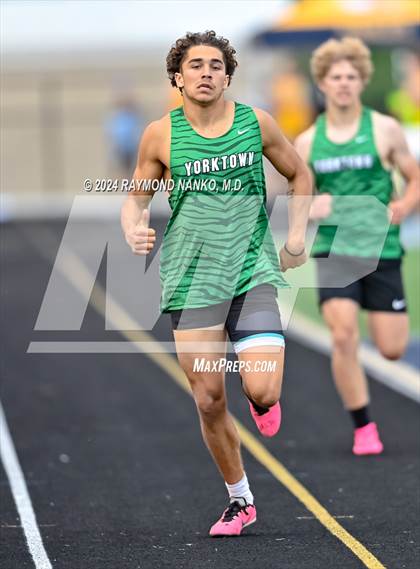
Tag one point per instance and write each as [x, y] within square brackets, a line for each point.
[219, 267]
[351, 150]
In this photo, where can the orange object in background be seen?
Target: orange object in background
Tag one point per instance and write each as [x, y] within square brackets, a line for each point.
[349, 14]
[291, 102]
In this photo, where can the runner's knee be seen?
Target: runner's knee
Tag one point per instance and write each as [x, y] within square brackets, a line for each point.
[210, 403]
[263, 394]
[208, 390]
[265, 399]
[345, 338]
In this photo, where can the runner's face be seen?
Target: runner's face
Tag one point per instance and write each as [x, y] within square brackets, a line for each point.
[342, 85]
[203, 74]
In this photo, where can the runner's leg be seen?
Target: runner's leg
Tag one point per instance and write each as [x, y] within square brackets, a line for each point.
[390, 332]
[340, 314]
[262, 374]
[208, 387]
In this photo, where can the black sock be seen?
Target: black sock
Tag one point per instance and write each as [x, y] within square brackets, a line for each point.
[360, 417]
[258, 409]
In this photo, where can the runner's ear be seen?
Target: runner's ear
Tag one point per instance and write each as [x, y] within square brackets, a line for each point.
[179, 80]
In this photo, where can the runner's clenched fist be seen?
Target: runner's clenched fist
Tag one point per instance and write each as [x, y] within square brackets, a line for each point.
[141, 238]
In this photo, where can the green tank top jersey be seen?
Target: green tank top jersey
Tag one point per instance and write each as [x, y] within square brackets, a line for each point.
[354, 169]
[217, 243]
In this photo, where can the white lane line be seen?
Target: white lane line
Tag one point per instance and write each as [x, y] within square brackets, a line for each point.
[21, 496]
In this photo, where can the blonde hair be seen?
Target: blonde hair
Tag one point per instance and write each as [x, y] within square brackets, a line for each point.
[333, 51]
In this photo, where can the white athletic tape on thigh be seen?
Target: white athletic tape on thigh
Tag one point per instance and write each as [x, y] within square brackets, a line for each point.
[255, 340]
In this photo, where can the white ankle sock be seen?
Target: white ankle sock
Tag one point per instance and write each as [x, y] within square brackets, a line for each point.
[240, 490]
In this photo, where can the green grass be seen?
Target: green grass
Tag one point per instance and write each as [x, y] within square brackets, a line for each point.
[307, 299]
[411, 272]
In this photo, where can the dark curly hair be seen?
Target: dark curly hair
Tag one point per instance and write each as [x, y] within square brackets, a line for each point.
[182, 45]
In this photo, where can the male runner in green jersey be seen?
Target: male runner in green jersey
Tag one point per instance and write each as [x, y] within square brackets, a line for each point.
[351, 150]
[219, 266]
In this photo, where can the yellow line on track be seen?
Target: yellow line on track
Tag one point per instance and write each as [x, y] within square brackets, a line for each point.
[75, 271]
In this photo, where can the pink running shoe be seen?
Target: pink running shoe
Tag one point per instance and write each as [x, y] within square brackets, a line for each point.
[234, 519]
[367, 441]
[269, 423]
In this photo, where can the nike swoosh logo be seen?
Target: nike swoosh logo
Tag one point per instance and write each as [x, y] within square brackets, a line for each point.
[360, 139]
[398, 304]
[243, 131]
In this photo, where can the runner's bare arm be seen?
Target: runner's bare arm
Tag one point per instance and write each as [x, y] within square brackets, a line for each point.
[287, 162]
[135, 213]
[322, 203]
[303, 143]
[401, 158]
